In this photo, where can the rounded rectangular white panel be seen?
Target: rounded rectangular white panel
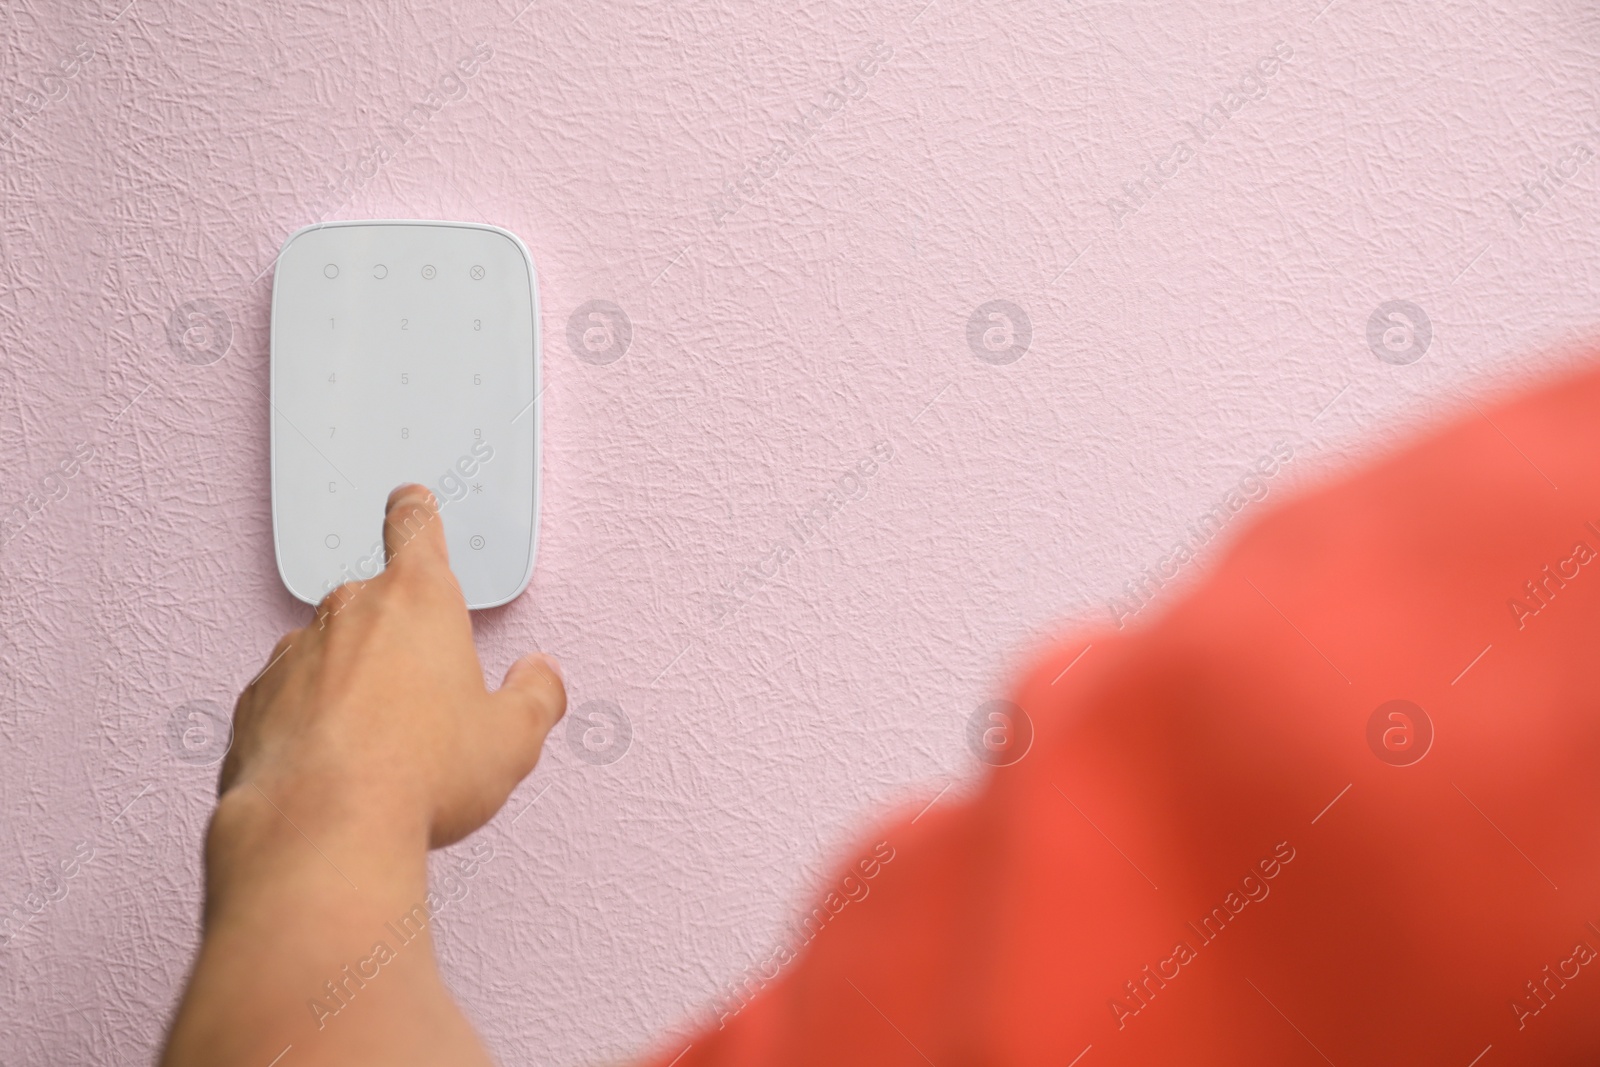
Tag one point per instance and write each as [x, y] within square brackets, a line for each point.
[405, 352]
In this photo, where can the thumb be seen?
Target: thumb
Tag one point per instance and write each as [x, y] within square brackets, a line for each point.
[529, 702]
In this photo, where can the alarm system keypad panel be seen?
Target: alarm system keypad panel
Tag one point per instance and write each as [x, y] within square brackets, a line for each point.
[404, 353]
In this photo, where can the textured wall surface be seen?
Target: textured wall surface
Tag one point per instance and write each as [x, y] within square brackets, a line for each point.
[805, 212]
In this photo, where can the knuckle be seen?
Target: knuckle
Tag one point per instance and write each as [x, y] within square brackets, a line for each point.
[337, 600]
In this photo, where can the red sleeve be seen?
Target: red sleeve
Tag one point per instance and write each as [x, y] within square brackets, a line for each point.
[1338, 803]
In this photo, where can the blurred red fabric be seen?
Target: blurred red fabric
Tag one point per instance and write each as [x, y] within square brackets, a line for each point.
[1211, 854]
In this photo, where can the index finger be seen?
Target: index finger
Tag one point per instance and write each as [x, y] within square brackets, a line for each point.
[412, 529]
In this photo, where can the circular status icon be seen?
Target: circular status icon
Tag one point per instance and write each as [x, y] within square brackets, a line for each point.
[428, 272]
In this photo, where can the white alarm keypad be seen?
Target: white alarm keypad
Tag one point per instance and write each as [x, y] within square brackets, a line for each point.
[405, 352]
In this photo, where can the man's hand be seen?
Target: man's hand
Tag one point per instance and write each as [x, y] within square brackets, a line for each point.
[366, 740]
[380, 700]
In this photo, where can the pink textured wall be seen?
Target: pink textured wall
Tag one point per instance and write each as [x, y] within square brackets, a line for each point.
[810, 309]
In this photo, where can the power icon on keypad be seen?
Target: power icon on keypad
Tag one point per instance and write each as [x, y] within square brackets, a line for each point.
[428, 272]
[477, 541]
